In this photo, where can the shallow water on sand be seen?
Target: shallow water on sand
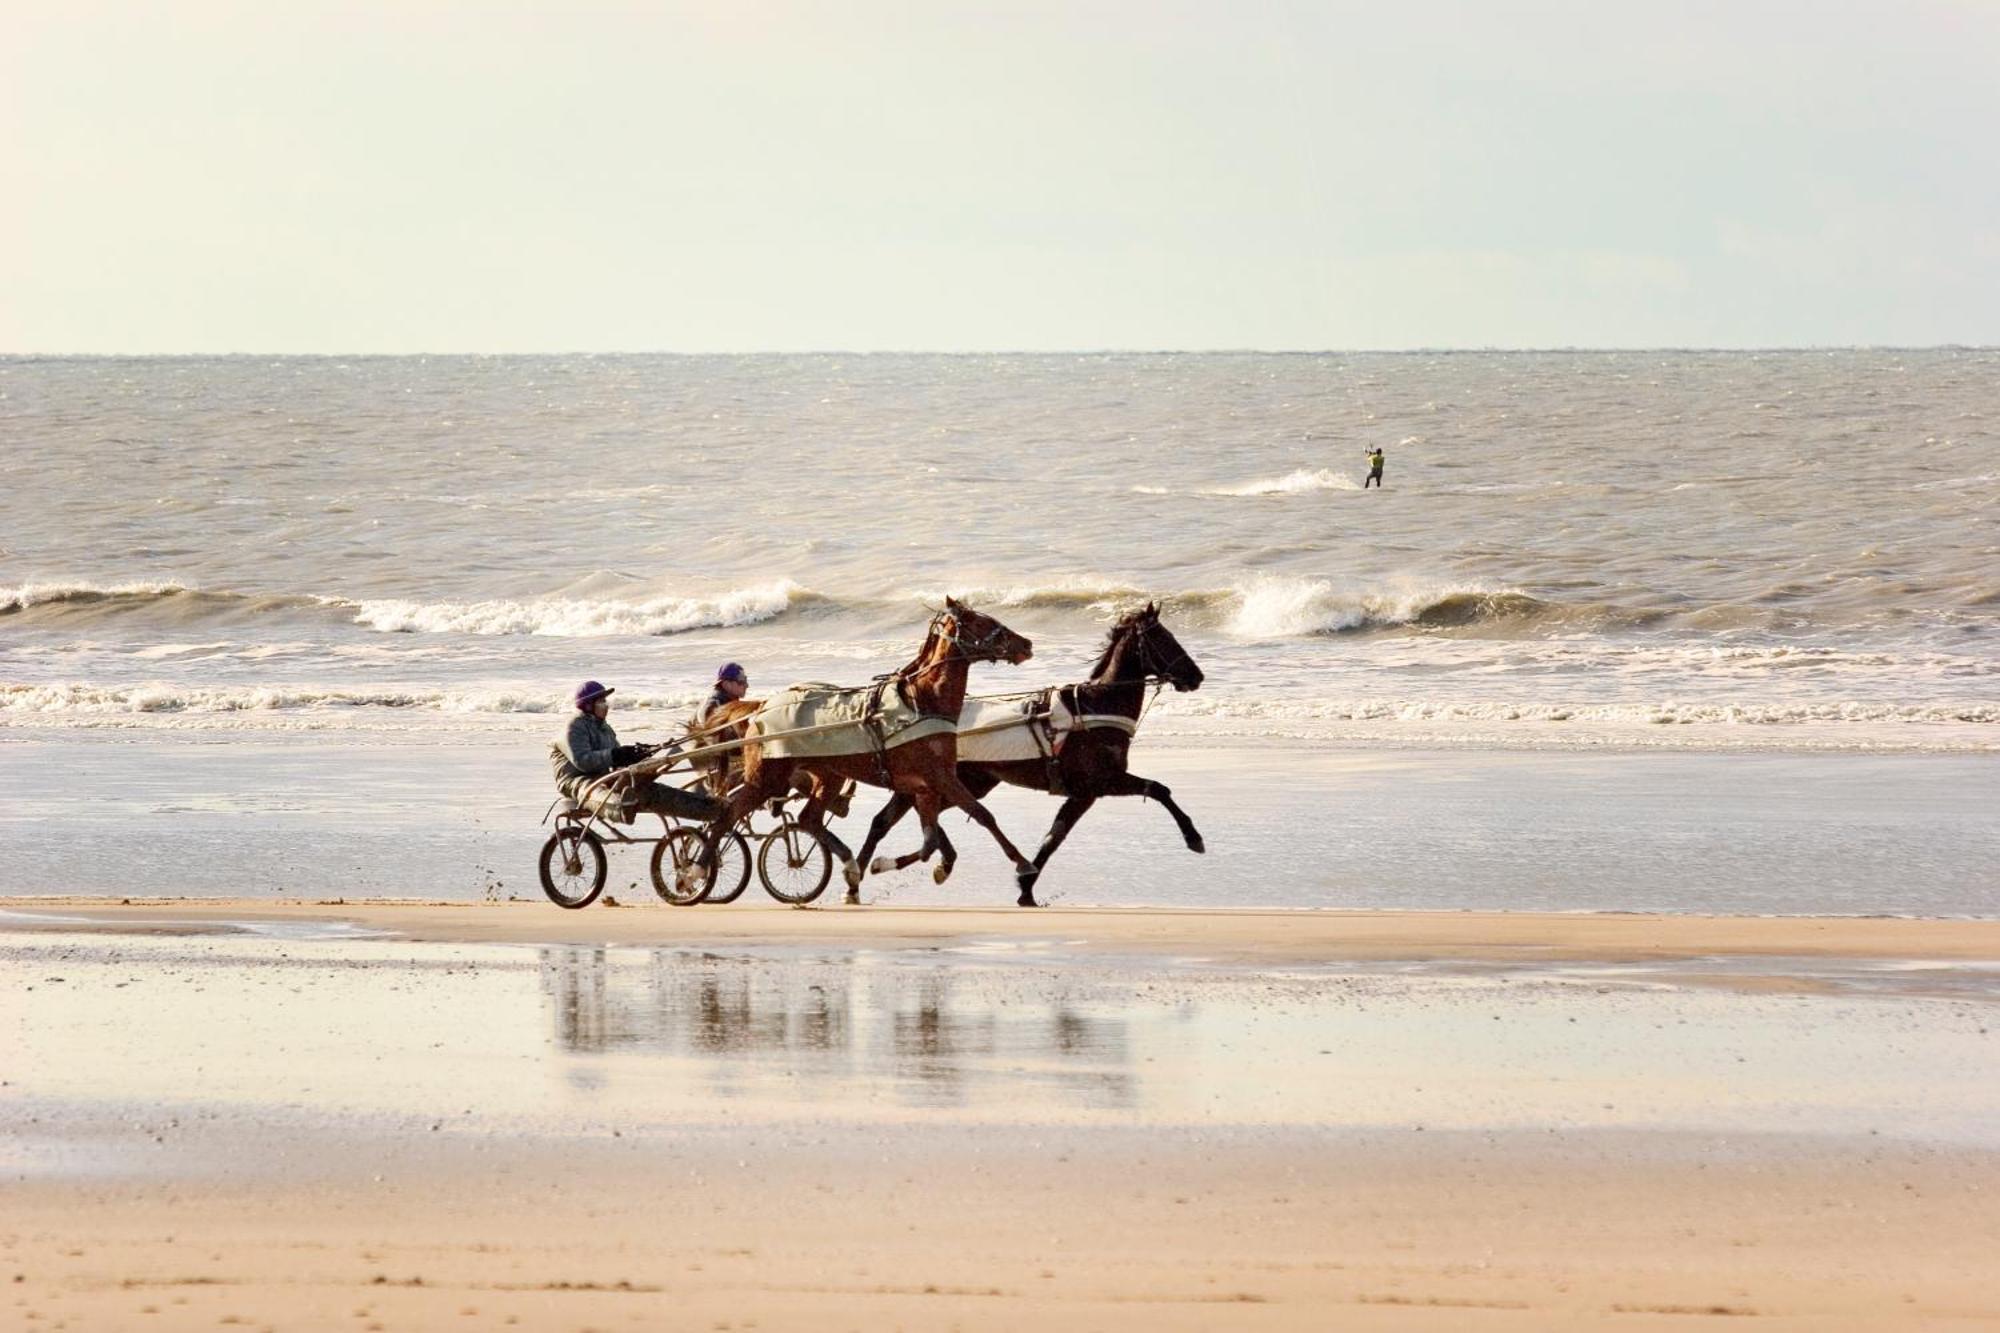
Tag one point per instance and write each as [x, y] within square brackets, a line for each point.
[307, 817]
[575, 1039]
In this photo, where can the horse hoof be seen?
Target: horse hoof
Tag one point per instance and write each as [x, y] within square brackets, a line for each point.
[1196, 845]
[1026, 900]
[852, 898]
[940, 874]
[881, 865]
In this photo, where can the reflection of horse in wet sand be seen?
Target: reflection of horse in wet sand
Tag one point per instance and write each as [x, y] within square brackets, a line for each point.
[923, 770]
[1089, 758]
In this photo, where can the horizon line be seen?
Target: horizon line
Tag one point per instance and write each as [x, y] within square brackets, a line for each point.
[1439, 350]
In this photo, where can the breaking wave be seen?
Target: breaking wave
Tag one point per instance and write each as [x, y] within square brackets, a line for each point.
[164, 697]
[1660, 713]
[173, 605]
[581, 618]
[13, 601]
[1278, 606]
[1269, 606]
[159, 703]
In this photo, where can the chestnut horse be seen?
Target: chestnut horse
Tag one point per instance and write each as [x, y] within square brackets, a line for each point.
[922, 772]
[1090, 762]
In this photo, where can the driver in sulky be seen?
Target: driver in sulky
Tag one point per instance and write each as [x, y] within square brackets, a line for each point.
[590, 749]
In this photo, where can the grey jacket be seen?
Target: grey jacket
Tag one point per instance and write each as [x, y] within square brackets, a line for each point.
[589, 748]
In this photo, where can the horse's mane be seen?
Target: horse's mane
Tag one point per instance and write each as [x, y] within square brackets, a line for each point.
[923, 651]
[725, 723]
[1112, 638]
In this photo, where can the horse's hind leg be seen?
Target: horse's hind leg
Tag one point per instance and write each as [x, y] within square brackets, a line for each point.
[885, 819]
[1131, 784]
[978, 783]
[730, 813]
[819, 789]
[812, 817]
[956, 793]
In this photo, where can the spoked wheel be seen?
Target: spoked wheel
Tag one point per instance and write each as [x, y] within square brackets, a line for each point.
[794, 864]
[732, 870]
[681, 879]
[573, 867]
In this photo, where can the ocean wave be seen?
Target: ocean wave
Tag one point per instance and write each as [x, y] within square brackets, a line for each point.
[1280, 606]
[178, 604]
[1288, 607]
[1081, 593]
[165, 697]
[160, 604]
[28, 595]
[1660, 713]
[581, 618]
[21, 704]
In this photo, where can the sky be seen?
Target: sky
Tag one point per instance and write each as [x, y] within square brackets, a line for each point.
[433, 176]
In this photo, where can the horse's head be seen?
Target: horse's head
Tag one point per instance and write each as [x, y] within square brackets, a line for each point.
[1159, 653]
[978, 637]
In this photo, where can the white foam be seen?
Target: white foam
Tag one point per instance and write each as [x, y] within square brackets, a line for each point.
[584, 618]
[1667, 712]
[164, 697]
[1279, 606]
[1296, 482]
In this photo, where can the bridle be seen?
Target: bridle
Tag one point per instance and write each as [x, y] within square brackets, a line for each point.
[986, 647]
[1150, 663]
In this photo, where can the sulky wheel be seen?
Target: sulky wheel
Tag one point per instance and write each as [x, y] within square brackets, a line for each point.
[794, 864]
[732, 873]
[573, 867]
[681, 879]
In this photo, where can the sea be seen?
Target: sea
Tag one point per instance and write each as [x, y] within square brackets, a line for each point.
[1749, 553]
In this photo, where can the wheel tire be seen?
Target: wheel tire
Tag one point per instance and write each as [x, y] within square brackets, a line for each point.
[687, 885]
[732, 872]
[573, 888]
[677, 874]
[797, 884]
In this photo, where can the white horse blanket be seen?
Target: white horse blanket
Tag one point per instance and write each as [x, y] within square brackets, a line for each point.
[1008, 729]
[838, 720]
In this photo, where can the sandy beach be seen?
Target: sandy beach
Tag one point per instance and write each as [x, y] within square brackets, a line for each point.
[410, 1116]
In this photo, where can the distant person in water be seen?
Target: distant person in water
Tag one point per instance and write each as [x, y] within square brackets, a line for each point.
[1374, 468]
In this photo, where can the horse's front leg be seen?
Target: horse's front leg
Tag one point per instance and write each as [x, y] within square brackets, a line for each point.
[1131, 784]
[929, 805]
[1072, 810]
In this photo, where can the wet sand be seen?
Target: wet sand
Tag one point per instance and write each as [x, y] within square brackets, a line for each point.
[411, 1117]
[1242, 935]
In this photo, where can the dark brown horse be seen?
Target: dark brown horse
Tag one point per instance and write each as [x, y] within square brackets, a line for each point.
[922, 772]
[1090, 764]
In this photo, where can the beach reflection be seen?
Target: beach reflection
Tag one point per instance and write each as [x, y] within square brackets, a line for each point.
[852, 1026]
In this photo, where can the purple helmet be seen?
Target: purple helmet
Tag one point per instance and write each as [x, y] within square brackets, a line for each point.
[731, 671]
[590, 692]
